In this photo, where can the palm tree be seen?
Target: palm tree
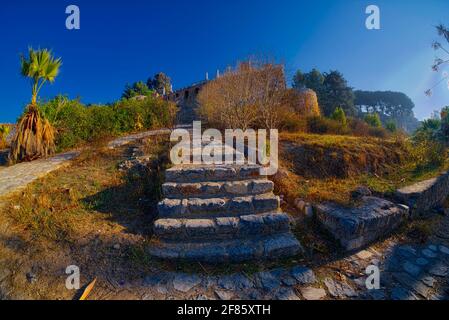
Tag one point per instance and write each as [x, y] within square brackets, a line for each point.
[34, 137]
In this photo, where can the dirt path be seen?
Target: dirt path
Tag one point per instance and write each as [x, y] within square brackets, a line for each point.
[17, 177]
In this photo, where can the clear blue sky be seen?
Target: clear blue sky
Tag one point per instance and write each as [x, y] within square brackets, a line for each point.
[125, 41]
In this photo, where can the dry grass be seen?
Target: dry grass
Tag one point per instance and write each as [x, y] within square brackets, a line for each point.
[382, 165]
[89, 214]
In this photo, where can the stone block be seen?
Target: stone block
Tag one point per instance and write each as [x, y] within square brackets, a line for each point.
[213, 205]
[200, 228]
[266, 202]
[261, 186]
[357, 227]
[172, 207]
[425, 195]
[241, 205]
[236, 187]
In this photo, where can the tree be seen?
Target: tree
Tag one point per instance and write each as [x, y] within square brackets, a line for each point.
[137, 89]
[331, 88]
[160, 83]
[340, 116]
[250, 95]
[312, 80]
[336, 93]
[394, 106]
[373, 120]
[40, 67]
[391, 126]
[443, 32]
[34, 136]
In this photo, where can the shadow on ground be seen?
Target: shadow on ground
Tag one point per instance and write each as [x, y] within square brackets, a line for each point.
[3, 157]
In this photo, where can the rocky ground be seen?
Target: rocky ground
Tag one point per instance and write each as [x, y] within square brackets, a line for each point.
[409, 269]
[407, 272]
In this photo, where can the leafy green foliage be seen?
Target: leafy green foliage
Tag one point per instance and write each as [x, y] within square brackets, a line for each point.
[160, 83]
[4, 132]
[339, 115]
[445, 125]
[430, 142]
[322, 125]
[391, 126]
[373, 120]
[137, 89]
[40, 66]
[34, 137]
[394, 106]
[331, 88]
[77, 124]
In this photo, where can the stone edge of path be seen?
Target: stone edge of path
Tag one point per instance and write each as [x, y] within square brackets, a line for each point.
[121, 141]
[59, 161]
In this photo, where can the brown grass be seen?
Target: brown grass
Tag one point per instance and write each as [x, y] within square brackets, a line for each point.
[331, 166]
[76, 215]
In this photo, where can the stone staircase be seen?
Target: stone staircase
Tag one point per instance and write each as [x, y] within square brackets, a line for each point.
[218, 213]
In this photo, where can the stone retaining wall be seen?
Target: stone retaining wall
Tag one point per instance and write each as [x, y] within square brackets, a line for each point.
[421, 197]
[357, 227]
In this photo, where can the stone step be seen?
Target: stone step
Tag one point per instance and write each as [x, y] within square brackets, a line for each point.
[221, 228]
[175, 190]
[260, 248]
[218, 207]
[209, 173]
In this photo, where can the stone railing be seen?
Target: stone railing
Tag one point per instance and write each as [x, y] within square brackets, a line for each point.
[421, 197]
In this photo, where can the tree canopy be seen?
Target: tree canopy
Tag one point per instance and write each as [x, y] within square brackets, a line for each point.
[331, 88]
[390, 105]
[161, 83]
[137, 89]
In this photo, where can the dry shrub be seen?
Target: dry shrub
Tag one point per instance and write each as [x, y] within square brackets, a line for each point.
[248, 96]
[322, 125]
[292, 121]
[34, 137]
[327, 156]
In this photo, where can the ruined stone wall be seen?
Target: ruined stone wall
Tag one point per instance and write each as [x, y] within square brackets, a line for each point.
[186, 100]
[421, 197]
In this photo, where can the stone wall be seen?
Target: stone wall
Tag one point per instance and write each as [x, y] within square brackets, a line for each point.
[357, 227]
[185, 99]
[421, 197]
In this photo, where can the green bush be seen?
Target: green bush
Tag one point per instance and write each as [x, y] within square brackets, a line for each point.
[428, 154]
[77, 123]
[137, 89]
[373, 120]
[322, 125]
[391, 126]
[4, 132]
[339, 116]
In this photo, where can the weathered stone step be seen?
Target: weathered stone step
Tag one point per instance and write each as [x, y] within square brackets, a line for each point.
[357, 227]
[217, 189]
[270, 247]
[208, 173]
[221, 228]
[218, 207]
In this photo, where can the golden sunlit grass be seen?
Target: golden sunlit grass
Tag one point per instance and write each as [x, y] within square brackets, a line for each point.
[382, 165]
